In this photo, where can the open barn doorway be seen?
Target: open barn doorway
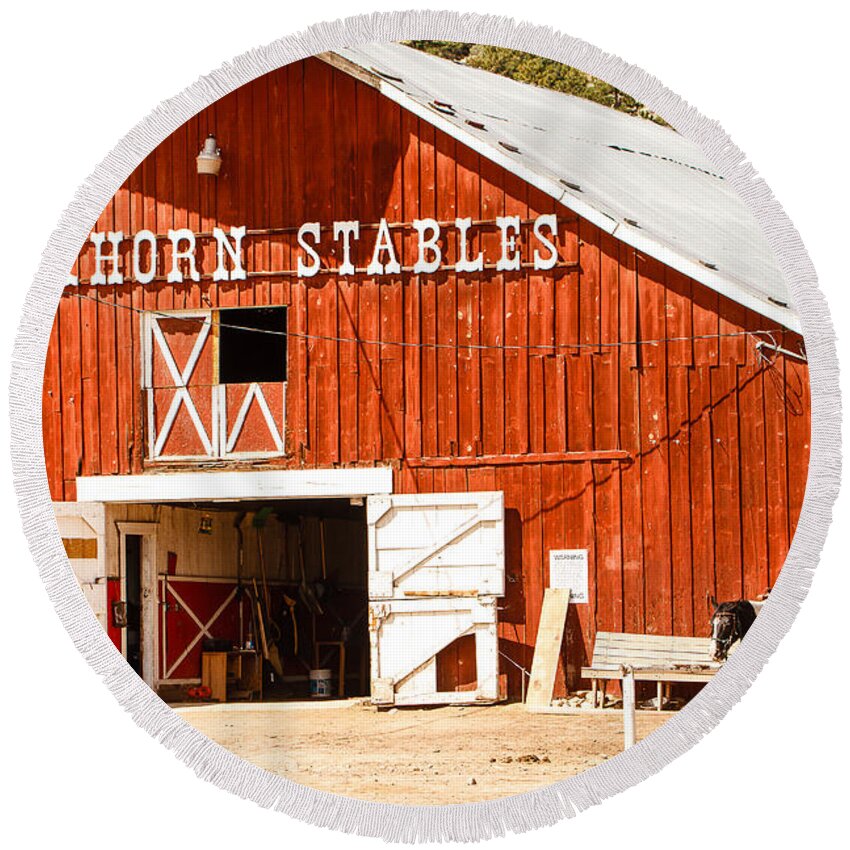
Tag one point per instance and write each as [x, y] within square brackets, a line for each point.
[319, 596]
[387, 596]
[390, 596]
[264, 600]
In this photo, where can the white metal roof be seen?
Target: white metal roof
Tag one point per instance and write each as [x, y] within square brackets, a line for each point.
[644, 182]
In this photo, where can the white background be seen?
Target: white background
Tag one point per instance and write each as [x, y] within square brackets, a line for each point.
[75, 78]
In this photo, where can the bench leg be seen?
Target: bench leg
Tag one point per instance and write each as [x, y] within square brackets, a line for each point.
[593, 685]
[628, 684]
[603, 690]
[659, 692]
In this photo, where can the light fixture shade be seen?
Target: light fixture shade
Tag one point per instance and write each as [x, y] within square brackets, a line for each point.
[209, 159]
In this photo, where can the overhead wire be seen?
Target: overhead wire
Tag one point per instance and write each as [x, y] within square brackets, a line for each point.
[475, 346]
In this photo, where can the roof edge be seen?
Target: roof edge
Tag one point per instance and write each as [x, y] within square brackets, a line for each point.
[335, 60]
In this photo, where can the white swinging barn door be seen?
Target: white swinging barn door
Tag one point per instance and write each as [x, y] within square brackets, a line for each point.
[436, 568]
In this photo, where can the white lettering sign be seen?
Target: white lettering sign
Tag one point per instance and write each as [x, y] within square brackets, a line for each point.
[311, 268]
[431, 243]
[551, 222]
[384, 242]
[464, 264]
[509, 261]
[183, 234]
[233, 251]
[568, 568]
[114, 266]
[98, 277]
[138, 239]
[346, 229]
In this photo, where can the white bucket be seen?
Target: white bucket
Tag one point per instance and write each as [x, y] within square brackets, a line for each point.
[320, 684]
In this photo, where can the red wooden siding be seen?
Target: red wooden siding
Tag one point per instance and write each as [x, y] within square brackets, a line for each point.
[718, 440]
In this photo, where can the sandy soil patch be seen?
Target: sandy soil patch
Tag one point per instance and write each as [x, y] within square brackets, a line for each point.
[417, 756]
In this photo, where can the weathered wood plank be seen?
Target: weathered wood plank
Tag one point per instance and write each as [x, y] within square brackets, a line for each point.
[725, 418]
[428, 295]
[753, 475]
[51, 414]
[515, 460]
[411, 288]
[629, 435]
[447, 355]
[467, 170]
[492, 318]
[298, 426]
[346, 195]
[547, 647]
[654, 441]
[517, 362]
[391, 293]
[797, 406]
[323, 374]
[123, 363]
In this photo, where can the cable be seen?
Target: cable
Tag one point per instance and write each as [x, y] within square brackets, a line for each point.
[401, 343]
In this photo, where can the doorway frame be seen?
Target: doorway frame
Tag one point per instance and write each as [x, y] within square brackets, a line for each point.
[225, 486]
[150, 598]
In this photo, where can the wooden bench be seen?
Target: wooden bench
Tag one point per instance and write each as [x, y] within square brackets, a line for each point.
[653, 658]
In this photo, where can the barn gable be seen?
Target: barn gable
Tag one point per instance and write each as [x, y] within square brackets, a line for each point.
[645, 183]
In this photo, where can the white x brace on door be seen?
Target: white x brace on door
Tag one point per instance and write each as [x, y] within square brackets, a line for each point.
[198, 326]
[179, 378]
[436, 568]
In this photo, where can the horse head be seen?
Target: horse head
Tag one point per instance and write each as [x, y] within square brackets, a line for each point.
[723, 629]
[730, 621]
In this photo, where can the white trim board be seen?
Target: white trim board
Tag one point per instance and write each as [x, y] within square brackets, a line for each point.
[150, 609]
[233, 486]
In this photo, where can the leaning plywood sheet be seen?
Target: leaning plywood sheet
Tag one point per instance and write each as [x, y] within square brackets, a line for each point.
[547, 647]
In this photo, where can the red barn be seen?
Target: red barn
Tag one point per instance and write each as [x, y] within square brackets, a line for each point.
[426, 333]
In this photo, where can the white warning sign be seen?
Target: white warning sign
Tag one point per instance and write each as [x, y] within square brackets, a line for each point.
[568, 568]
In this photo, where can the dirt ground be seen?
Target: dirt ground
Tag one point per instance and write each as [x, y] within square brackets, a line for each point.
[416, 756]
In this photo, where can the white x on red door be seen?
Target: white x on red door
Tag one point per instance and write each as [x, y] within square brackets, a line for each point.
[190, 413]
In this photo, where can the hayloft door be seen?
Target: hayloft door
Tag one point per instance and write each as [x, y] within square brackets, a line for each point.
[436, 569]
[215, 383]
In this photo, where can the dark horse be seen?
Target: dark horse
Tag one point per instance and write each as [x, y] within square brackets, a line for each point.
[730, 621]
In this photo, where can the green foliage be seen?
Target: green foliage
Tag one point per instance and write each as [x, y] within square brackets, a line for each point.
[537, 71]
[455, 50]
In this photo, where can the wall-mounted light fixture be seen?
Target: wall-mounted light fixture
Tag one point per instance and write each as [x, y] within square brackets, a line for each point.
[205, 525]
[209, 159]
